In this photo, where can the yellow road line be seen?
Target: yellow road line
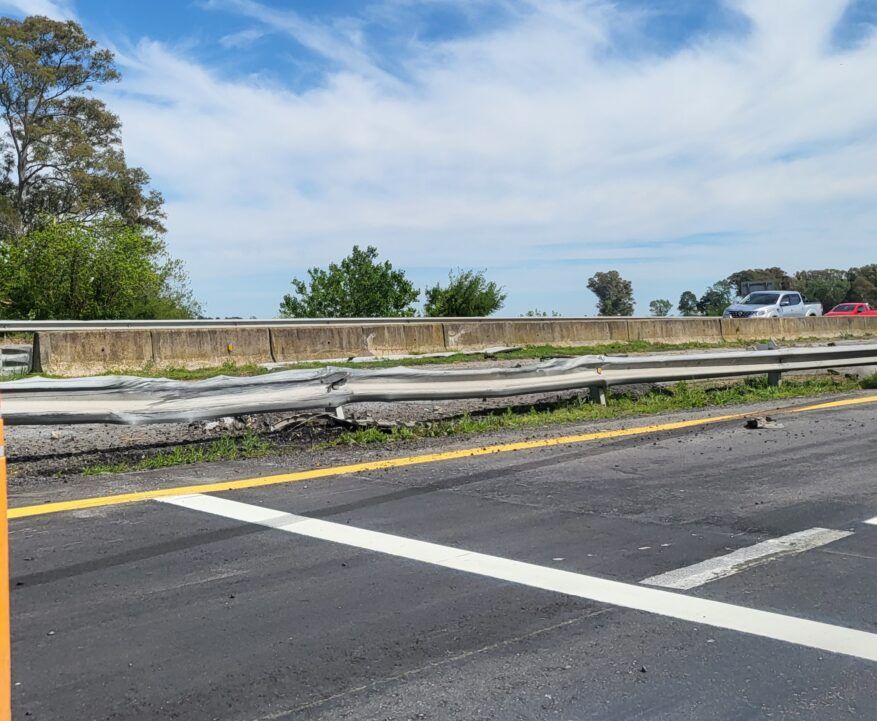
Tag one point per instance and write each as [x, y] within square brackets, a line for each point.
[298, 476]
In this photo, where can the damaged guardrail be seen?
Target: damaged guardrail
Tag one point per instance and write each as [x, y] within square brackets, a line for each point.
[131, 400]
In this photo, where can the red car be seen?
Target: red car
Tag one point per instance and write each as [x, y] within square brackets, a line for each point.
[852, 309]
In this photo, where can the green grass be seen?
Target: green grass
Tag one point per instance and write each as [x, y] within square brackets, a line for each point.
[681, 396]
[197, 374]
[227, 448]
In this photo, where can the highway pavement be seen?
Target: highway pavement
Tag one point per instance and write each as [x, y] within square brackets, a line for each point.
[699, 572]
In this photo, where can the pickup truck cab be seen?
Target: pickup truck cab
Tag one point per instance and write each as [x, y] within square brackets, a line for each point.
[773, 304]
[852, 309]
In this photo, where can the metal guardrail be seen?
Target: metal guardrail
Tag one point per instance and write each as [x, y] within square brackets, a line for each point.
[15, 360]
[130, 400]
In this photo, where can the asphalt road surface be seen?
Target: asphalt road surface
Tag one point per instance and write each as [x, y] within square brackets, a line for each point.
[500, 586]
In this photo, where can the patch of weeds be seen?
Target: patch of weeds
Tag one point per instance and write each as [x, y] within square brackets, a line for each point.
[870, 382]
[227, 448]
[185, 374]
[678, 397]
[101, 468]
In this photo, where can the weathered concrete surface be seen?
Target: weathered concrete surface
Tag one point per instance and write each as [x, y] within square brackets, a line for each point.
[207, 347]
[385, 339]
[314, 342]
[677, 330]
[471, 335]
[752, 328]
[91, 351]
[85, 352]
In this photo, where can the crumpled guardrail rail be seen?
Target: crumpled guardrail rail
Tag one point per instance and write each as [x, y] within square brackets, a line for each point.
[131, 400]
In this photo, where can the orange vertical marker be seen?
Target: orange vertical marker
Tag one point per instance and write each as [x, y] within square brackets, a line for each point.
[5, 640]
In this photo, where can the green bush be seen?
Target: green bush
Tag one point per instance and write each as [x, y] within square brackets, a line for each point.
[79, 271]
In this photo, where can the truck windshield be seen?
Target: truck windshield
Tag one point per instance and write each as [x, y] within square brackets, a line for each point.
[761, 299]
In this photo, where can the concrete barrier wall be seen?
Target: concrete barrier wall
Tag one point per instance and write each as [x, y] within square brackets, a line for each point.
[677, 330]
[67, 353]
[315, 342]
[84, 352]
[208, 347]
[463, 335]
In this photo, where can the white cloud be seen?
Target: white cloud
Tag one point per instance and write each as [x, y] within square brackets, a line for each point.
[498, 148]
[55, 9]
[242, 38]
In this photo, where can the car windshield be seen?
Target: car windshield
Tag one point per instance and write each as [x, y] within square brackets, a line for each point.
[845, 308]
[761, 299]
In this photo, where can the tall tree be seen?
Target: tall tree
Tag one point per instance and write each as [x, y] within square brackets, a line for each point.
[614, 293]
[863, 284]
[358, 287]
[467, 294]
[716, 298]
[100, 270]
[687, 304]
[830, 286]
[777, 276]
[660, 307]
[61, 146]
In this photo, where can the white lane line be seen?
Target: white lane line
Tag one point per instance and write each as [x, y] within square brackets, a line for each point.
[872, 521]
[800, 631]
[744, 558]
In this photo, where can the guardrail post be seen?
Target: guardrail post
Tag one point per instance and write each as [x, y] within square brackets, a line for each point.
[774, 378]
[5, 640]
[597, 394]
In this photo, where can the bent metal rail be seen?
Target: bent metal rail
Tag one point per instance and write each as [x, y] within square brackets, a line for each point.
[131, 400]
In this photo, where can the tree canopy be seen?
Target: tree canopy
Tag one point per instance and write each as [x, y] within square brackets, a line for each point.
[716, 298]
[102, 270]
[467, 294]
[830, 286]
[780, 279]
[61, 147]
[660, 307]
[863, 284]
[687, 304]
[358, 287]
[614, 293]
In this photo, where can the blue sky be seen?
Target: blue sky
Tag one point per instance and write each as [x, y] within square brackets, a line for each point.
[673, 140]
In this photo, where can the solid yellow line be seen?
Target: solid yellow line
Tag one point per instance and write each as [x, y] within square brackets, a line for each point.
[297, 476]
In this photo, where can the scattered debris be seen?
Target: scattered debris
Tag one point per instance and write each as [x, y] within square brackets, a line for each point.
[760, 422]
[770, 345]
[227, 423]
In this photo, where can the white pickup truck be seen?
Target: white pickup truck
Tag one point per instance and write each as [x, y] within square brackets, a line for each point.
[773, 304]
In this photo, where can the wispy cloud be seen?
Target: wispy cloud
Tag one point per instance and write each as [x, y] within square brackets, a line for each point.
[242, 38]
[338, 42]
[536, 147]
[55, 9]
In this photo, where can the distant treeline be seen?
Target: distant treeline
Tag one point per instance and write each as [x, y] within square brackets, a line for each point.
[828, 286]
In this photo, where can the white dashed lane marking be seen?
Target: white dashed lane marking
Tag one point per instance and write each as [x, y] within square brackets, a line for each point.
[744, 558]
[800, 631]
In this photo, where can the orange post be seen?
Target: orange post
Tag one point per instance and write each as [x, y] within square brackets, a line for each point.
[5, 640]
